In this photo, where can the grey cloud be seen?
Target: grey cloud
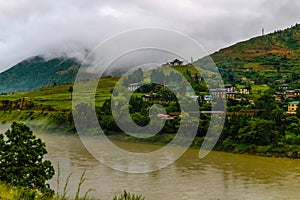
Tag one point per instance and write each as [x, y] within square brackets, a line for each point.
[69, 27]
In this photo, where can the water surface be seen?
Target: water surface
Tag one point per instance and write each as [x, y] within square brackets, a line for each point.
[217, 176]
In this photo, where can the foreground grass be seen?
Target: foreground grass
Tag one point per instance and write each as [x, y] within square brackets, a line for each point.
[8, 192]
[15, 193]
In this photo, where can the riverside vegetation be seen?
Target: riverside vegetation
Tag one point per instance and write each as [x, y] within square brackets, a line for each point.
[268, 131]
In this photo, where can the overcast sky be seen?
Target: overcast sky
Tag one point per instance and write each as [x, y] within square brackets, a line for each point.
[33, 27]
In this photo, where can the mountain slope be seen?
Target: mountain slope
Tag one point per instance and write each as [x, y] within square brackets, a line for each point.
[262, 59]
[37, 72]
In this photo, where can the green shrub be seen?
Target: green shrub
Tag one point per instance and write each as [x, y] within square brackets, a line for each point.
[127, 196]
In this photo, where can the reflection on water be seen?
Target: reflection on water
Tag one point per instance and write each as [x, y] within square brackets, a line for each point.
[217, 176]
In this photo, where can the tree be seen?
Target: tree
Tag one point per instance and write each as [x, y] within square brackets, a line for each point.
[258, 132]
[71, 91]
[21, 158]
[157, 77]
[298, 112]
[139, 75]
[196, 79]
[136, 77]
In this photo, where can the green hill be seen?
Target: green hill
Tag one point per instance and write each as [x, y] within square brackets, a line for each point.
[37, 72]
[262, 59]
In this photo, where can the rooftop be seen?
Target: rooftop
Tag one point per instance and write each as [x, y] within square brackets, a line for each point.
[293, 102]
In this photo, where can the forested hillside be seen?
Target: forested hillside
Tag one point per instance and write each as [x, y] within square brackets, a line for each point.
[37, 72]
[262, 59]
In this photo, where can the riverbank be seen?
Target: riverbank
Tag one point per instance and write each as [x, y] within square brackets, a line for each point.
[62, 122]
[47, 121]
[279, 150]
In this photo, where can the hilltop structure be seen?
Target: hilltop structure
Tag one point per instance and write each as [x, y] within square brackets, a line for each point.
[175, 62]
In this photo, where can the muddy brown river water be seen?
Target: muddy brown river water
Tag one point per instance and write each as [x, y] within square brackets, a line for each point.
[217, 176]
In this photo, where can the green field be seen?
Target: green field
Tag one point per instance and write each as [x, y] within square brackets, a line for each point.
[59, 96]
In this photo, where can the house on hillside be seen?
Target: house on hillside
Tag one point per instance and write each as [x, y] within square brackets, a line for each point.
[176, 62]
[231, 95]
[230, 88]
[228, 93]
[292, 93]
[292, 107]
[287, 94]
[243, 79]
[284, 87]
[278, 96]
[169, 116]
[208, 98]
[282, 80]
[250, 113]
[197, 77]
[133, 86]
[218, 92]
[244, 90]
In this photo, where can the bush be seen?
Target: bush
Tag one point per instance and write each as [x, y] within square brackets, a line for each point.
[228, 144]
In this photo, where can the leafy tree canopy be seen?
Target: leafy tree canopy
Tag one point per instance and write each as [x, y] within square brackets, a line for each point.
[21, 158]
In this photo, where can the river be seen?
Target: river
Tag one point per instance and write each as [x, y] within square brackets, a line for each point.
[217, 176]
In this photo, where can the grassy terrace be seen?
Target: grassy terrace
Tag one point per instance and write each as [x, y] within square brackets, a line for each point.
[59, 96]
